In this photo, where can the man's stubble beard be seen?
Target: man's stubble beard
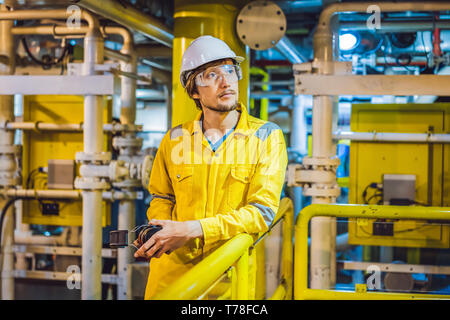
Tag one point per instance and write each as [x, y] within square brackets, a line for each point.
[223, 108]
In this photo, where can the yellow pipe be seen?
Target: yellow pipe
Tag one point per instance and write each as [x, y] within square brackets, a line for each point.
[301, 290]
[194, 282]
[194, 18]
[260, 290]
[215, 286]
[287, 255]
[280, 293]
[264, 110]
[317, 294]
[233, 277]
[226, 295]
[242, 276]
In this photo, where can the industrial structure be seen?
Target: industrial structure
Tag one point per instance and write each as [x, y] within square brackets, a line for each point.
[88, 88]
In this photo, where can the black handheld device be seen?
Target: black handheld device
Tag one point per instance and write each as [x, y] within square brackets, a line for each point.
[119, 238]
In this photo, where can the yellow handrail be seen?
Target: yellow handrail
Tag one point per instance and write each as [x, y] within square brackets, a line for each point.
[284, 290]
[194, 282]
[301, 290]
[234, 252]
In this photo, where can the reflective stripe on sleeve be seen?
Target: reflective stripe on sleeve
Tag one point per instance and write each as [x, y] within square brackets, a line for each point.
[265, 211]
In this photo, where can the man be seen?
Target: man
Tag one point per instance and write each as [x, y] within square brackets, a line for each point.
[214, 177]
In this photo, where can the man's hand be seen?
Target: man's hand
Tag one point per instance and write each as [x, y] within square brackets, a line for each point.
[174, 234]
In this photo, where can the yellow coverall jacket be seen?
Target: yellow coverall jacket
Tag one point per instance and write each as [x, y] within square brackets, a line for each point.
[233, 190]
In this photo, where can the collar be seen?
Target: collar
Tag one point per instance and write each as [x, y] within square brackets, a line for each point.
[242, 126]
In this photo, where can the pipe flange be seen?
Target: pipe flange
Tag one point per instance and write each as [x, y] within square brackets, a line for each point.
[118, 170]
[9, 181]
[322, 191]
[291, 174]
[146, 169]
[326, 162]
[299, 175]
[122, 195]
[91, 184]
[4, 124]
[118, 127]
[131, 183]
[125, 142]
[102, 157]
[10, 149]
[315, 176]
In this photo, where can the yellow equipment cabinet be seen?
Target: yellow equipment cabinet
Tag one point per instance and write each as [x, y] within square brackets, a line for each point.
[39, 147]
[428, 162]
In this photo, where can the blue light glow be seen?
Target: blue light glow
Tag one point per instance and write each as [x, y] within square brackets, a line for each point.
[347, 41]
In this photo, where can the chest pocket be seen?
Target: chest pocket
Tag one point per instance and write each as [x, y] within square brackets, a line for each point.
[238, 184]
[183, 185]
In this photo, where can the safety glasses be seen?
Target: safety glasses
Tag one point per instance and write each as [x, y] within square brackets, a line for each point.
[211, 76]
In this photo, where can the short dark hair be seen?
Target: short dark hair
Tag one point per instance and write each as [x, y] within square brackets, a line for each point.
[191, 87]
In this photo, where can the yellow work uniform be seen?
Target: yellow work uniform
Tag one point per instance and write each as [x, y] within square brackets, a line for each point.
[233, 190]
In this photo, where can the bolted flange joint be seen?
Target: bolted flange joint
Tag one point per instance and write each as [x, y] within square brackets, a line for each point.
[317, 176]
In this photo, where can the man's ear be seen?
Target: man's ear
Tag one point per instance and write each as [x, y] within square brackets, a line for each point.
[195, 95]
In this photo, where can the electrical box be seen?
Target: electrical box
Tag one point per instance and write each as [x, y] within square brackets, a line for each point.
[56, 150]
[416, 171]
[399, 189]
[61, 174]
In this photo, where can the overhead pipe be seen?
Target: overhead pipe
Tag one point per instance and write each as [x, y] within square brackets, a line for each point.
[393, 137]
[28, 238]
[116, 55]
[70, 127]
[396, 26]
[322, 245]
[274, 94]
[352, 7]
[150, 50]
[300, 6]
[67, 194]
[62, 14]
[157, 65]
[160, 72]
[287, 49]
[131, 18]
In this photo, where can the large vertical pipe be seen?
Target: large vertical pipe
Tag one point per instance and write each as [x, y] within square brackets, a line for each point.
[299, 137]
[194, 18]
[322, 227]
[7, 162]
[127, 208]
[92, 199]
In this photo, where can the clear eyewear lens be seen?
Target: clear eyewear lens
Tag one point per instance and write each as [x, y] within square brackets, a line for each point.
[211, 76]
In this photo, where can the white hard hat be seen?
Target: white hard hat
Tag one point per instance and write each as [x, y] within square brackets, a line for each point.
[202, 50]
